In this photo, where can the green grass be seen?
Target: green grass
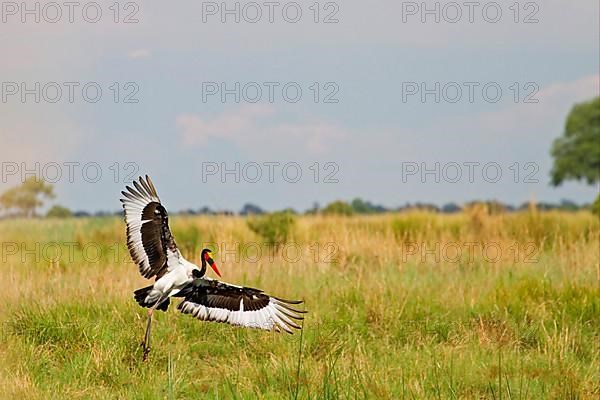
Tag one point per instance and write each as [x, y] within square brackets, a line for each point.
[381, 323]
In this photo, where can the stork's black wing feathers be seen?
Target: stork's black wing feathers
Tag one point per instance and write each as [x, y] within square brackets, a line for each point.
[211, 300]
[149, 238]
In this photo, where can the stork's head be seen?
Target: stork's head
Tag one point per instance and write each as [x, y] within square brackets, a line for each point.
[207, 257]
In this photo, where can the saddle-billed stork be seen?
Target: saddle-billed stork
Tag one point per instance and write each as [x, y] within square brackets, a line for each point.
[153, 249]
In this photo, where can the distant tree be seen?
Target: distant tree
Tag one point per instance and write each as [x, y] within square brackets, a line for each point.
[314, 210]
[544, 206]
[524, 206]
[251, 209]
[568, 205]
[59, 212]
[360, 206]
[25, 198]
[577, 153]
[419, 207]
[189, 211]
[338, 208]
[365, 207]
[206, 211]
[451, 208]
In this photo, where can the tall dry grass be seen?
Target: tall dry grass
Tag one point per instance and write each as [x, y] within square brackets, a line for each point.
[416, 305]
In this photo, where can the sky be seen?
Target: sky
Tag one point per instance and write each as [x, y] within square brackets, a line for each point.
[283, 104]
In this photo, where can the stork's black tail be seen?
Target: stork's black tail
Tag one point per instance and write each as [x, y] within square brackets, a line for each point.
[141, 295]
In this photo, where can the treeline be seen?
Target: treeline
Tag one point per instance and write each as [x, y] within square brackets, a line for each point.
[355, 207]
[24, 200]
[362, 207]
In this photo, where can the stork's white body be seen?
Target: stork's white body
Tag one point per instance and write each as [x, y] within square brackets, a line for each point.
[172, 282]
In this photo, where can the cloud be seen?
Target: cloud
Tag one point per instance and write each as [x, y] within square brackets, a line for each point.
[139, 53]
[250, 126]
[542, 120]
[512, 133]
[568, 92]
[320, 135]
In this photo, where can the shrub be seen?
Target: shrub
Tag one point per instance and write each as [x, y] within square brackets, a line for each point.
[273, 228]
[59, 212]
[338, 208]
[596, 206]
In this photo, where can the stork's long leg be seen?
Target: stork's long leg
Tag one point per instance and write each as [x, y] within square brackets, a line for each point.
[146, 343]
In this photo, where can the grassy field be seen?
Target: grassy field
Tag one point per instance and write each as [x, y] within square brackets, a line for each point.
[401, 306]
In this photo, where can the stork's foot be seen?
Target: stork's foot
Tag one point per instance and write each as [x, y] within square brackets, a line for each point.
[146, 352]
[146, 347]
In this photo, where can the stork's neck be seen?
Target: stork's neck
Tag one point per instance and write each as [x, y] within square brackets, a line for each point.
[203, 269]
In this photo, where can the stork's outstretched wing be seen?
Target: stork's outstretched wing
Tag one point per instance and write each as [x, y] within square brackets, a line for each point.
[149, 238]
[211, 300]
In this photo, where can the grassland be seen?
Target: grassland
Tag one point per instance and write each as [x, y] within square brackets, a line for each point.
[407, 306]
